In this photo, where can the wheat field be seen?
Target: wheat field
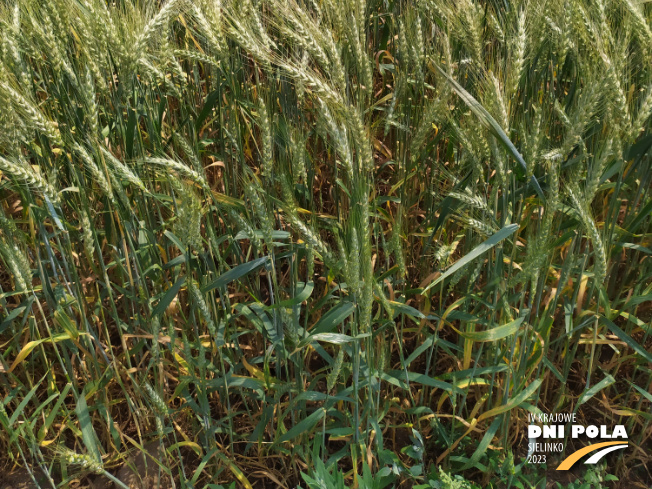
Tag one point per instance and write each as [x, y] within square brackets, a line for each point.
[322, 243]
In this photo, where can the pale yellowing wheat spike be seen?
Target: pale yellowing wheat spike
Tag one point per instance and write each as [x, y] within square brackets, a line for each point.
[24, 174]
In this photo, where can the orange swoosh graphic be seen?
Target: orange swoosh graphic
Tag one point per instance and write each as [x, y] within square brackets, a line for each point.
[574, 457]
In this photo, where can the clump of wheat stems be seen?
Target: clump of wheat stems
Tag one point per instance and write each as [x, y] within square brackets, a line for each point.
[274, 234]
